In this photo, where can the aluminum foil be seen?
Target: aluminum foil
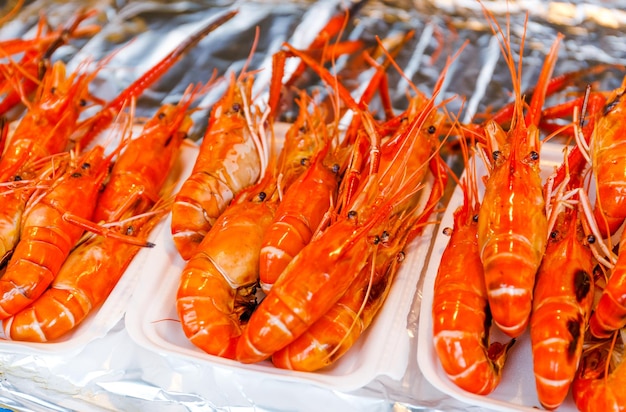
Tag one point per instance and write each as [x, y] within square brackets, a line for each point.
[112, 372]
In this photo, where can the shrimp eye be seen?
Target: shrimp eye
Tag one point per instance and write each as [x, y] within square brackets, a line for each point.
[76, 174]
[432, 129]
[17, 178]
[302, 129]
[130, 230]
[534, 156]
[53, 90]
[352, 214]
[82, 102]
[611, 105]
[85, 166]
[335, 168]
[385, 236]
[262, 196]
[475, 218]
[400, 257]
[161, 115]
[496, 154]
[304, 161]
[376, 239]
[447, 231]
[554, 234]
[591, 239]
[236, 107]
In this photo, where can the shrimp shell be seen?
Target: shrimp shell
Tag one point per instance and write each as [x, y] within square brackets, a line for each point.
[562, 302]
[227, 163]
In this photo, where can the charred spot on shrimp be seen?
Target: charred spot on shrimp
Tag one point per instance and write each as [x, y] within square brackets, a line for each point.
[573, 327]
[582, 284]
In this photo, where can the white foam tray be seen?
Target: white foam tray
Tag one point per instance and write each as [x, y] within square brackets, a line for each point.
[152, 322]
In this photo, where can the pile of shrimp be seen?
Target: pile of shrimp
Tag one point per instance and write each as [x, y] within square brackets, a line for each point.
[291, 251]
[78, 195]
[539, 256]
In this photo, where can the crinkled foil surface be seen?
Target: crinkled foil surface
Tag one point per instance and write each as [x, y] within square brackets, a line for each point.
[113, 373]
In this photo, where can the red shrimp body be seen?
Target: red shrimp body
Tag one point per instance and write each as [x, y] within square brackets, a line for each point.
[228, 162]
[331, 336]
[608, 156]
[610, 312]
[46, 127]
[309, 286]
[460, 309]
[300, 212]
[216, 292]
[140, 171]
[512, 222]
[512, 237]
[46, 238]
[562, 302]
[85, 280]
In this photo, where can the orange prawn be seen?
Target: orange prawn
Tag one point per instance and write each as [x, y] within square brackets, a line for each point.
[562, 301]
[307, 199]
[142, 168]
[316, 278]
[84, 281]
[229, 160]
[15, 194]
[46, 238]
[608, 153]
[599, 384]
[22, 78]
[460, 310]
[512, 222]
[49, 122]
[218, 284]
[331, 336]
